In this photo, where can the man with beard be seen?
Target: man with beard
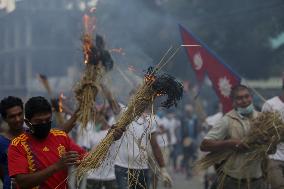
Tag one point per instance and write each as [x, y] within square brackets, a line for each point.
[11, 109]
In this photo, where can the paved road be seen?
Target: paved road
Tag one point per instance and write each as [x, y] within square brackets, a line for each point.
[181, 183]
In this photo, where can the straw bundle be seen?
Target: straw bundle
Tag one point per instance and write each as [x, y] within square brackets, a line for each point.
[87, 89]
[152, 86]
[266, 132]
[86, 92]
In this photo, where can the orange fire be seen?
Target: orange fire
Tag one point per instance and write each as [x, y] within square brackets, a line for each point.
[87, 47]
[149, 78]
[86, 21]
[89, 27]
[159, 94]
[89, 23]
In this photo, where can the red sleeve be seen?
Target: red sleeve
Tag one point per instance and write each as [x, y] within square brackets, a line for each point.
[17, 160]
[75, 147]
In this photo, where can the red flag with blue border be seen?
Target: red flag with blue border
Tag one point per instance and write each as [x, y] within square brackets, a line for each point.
[205, 62]
[194, 54]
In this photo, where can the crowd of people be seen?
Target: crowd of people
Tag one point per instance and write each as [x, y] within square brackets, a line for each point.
[37, 152]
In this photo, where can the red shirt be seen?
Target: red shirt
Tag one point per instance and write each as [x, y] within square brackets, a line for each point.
[28, 155]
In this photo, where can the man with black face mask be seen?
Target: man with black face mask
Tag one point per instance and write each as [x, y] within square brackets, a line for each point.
[40, 157]
[11, 109]
[227, 134]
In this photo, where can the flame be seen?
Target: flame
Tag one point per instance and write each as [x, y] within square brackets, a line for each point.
[149, 78]
[60, 102]
[160, 94]
[89, 23]
[89, 27]
[86, 21]
[87, 47]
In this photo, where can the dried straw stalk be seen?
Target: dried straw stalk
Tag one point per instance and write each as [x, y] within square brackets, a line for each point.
[142, 99]
[152, 86]
[87, 89]
[86, 92]
[266, 132]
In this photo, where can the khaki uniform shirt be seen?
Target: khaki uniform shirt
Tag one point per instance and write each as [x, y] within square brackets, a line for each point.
[235, 126]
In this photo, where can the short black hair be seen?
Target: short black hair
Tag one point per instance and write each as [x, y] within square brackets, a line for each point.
[36, 105]
[9, 102]
[238, 88]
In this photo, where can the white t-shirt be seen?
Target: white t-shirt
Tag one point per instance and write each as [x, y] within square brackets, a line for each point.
[213, 119]
[111, 120]
[130, 155]
[84, 135]
[162, 138]
[90, 138]
[106, 170]
[271, 105]
[173, 124]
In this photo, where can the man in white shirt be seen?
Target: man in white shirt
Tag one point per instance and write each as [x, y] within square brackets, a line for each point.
[103, 176]
[131, 165]
[276, 162]
[174, 126]
[162, 131]
[228, 134]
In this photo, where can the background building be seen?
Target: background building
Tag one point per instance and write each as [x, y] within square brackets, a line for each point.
[39, 36]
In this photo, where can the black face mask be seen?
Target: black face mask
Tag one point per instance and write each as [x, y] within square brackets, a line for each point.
[41, 131]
